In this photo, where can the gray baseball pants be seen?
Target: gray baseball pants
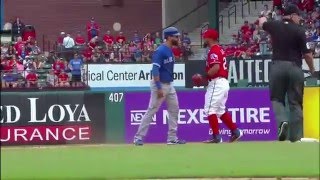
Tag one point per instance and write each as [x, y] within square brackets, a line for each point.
[170, 96]
[287, 79]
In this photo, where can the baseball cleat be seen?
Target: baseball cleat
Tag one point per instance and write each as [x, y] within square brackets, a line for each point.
[214, 140]
[283, 131]
[236, 135]
[138, 142]
[175, 142]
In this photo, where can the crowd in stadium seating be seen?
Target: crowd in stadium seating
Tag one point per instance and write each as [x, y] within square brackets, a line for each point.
[251, 40]
[107, 47]
[23, 64]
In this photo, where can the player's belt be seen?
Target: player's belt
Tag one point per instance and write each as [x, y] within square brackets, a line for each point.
[168, 83]
[216, 78]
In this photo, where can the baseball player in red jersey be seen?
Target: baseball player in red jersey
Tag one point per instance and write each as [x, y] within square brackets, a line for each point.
[217, 90]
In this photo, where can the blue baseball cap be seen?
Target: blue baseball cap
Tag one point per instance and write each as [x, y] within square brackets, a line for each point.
[171, 31]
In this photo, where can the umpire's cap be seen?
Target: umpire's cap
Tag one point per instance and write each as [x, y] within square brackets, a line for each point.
[291, 9]
[211, 34]
[171, 31]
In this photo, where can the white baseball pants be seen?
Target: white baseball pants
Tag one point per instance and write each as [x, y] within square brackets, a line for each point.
[216, 96]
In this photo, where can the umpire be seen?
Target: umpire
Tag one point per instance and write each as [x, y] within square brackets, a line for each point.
[286, 75]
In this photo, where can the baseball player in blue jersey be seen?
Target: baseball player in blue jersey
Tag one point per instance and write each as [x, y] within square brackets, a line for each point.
[162, 89]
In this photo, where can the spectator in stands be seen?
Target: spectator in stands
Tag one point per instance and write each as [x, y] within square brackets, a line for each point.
[35, 49]
[93, 43]
[93, 29]
[146, 54]
[11, 52]
[266, 11]
[18, 45]
[5, 49]
[63, 79]
[277, 4]
[68, 44]
[75, 65]
[79, 40]
[121, 39]
[98, 56]
[307, 5]
[147, 41]
[177, 52]
[17, 28]
[277, 14]
[108, 39]
[186, 39]
[59, 66]
[263, 42]
[136, 38]
[52, 79]
[245, 27]
[138, 54]
[158, 40]
[127, 56]
[32, 79]
[52, 57]
[19, 66]
[60, 38]
[132, 48]
[86, 55]
[22, 54]
[10, 80]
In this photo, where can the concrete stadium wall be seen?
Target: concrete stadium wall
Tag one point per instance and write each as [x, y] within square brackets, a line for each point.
[173, 10]
[50, 17]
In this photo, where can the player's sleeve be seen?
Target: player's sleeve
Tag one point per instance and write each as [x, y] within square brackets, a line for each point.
[156, 62]
[304, 47]
[213, 58]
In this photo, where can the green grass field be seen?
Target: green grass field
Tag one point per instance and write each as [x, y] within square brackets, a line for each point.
[252, 159]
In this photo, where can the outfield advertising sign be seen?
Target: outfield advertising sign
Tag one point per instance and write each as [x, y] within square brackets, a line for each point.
[127, 75]
[256, 71]
[52, 118]
[250, 109]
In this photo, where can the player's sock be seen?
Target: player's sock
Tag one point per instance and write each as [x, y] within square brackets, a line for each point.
[227, 120]
[213, 121]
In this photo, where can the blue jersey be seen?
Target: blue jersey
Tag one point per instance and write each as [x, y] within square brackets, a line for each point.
[76, 65]
[163, 63]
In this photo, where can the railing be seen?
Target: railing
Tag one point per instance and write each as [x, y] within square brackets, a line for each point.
[255, 3]
[243, 3]
[221, 23]
[188, 14]
[42, 78]
[202, 30]
[232, 10]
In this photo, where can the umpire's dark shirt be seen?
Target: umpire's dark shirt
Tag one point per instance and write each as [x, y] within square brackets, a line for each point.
[288, 40]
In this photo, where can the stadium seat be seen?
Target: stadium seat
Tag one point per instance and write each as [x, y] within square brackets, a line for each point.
[41, 71]
[47, 66]
[42, 80]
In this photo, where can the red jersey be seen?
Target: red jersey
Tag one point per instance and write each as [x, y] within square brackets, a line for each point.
[108, 39]
[177, 51]
[216, 55]
[80, 40]
[31, 77]
[63, 77]
[121, 39]
[58, 66]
